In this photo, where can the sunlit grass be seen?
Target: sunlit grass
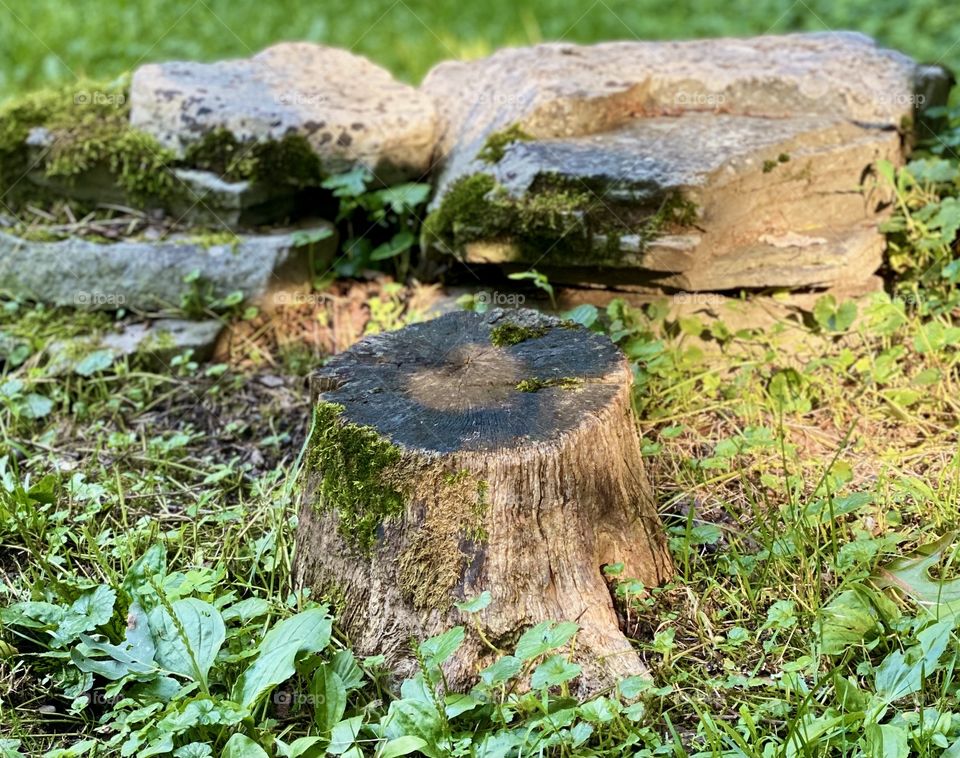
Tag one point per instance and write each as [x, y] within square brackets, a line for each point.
[47, 41]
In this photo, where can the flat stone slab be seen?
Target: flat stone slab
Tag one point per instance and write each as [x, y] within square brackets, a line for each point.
[156, 342]
[677, 161]
[351, 111]
[558, 89]
[644, 159]
[151, 275]
[833, 258]
[776, 202]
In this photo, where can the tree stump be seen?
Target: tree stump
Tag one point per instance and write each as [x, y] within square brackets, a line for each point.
[475, 452]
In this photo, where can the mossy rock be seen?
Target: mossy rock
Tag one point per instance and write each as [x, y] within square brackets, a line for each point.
[192, 271]
[556, 223]
[76, 143]
[333, 108]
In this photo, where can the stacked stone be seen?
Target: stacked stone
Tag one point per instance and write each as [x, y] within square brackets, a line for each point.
[708, 165]
[320, 110]
[699, 165]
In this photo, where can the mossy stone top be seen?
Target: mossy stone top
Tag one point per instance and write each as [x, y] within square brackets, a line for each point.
[475, 382]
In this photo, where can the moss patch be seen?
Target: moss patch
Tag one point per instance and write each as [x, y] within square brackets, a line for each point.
[87, 127]
[433, 563]
[535, 385]
[477, 208]
[770, 165]
[495, 147]
[358, 475]
[212, 238]
[86, 134]
[507, 334]
[289, 161]
[675, 210]
[553, 220]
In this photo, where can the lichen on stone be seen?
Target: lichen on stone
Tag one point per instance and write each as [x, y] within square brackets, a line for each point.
[358, 476]
[496, 144]
[509, 334]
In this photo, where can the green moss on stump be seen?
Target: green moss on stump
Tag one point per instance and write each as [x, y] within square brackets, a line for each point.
[367, 481]
[432, 564]
[507, 334]
[357, 469]
[535, 385]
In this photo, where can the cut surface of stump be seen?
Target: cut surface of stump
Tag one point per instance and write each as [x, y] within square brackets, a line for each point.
[478, 452]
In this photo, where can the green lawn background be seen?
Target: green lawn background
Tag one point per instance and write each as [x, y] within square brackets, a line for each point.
[46, 41]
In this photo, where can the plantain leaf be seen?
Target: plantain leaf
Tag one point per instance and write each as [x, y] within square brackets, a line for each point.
[241, 746]
[188, 640]
[307, 632]
[543, 638]
[910, 575]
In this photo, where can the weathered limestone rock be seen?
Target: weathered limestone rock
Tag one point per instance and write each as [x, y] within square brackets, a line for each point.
[709, 164]
[151, 275]
[348, 109]
[832, 257]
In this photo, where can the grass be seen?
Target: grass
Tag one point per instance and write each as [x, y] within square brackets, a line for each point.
[793, 466]
[47, 41]
[807, 474]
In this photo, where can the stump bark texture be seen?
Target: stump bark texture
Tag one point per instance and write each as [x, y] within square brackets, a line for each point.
[477, 452]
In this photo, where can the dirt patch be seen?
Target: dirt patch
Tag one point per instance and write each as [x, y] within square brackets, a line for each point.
[304, 328]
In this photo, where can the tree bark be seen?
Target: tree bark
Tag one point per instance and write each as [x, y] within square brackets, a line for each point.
[493, 452]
